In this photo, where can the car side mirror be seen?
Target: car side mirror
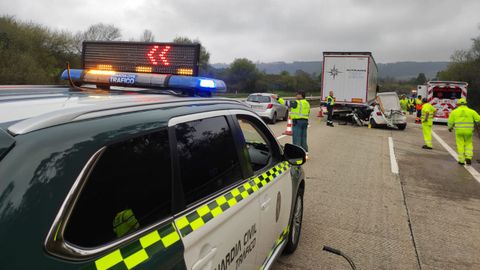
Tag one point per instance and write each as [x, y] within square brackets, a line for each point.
[295, 155]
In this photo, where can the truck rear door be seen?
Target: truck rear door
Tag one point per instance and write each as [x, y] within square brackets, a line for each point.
[347, 77]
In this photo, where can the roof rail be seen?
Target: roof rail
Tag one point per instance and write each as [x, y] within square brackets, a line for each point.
[64, 116]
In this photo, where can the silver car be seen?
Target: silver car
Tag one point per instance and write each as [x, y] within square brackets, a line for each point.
[267, 107]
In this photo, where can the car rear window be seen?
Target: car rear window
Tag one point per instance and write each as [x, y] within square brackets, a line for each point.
[128, 189]
[258, 98]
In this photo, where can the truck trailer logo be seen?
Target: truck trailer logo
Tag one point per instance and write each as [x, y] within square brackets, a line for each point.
[334, 72]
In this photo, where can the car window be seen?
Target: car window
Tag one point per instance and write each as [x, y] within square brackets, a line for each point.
[207, 157]
[259, 149]
[258, 98]
[129, 188]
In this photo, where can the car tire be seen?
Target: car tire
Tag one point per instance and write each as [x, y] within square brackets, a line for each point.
[295, 225]
[402, 126]
[373, 124]
[274, 118]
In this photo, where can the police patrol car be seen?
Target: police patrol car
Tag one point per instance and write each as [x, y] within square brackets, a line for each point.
[129, 169]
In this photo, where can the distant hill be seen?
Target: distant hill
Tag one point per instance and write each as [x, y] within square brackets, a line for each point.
[398, 70]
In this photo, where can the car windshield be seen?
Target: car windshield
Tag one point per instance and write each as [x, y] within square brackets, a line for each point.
[258, 98]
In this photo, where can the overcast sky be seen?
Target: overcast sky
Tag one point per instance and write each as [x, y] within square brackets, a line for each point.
[269, 30]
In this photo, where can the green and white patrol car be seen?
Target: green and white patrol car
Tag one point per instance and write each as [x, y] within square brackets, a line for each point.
[143, 175]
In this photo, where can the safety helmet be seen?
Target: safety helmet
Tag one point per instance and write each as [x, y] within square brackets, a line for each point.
[462, 101]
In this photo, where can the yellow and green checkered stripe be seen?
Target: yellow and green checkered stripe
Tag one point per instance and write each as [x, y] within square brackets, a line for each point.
[146, 247]
[203, 214]
[279, 240]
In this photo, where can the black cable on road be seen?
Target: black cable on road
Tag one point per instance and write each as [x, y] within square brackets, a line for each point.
[339, 253]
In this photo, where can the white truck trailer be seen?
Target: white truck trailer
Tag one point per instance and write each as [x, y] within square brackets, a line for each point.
[352, 76]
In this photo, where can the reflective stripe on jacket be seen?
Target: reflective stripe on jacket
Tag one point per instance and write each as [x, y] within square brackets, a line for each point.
[301, 110]
[463, 118]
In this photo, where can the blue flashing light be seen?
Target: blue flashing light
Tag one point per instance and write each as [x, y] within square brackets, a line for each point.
[146, 80]
[75, 74]
[204, 83]
[198, 83]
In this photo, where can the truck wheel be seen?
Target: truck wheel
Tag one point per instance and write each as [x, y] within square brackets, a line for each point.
[373, 123]
[295, 225]
[402, 126]
[274, 118]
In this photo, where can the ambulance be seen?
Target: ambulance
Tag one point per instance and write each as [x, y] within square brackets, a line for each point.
[443, 95]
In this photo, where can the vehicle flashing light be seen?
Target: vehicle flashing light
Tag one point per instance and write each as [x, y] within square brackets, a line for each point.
[143, 69]
[101, 72]
[146, 80]
[185, 71]
[104, 67]
[204, 83]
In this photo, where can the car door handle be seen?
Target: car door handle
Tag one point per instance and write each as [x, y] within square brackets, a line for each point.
[265, 203]
[205, 260]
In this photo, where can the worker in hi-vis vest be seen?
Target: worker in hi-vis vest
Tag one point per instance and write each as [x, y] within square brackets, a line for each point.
[299, 112]
[428, 111]
[411, 105]
[330, 103]
[463, 119]
[404, 104]
[418, 107]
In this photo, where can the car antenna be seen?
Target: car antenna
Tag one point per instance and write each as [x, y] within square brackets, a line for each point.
[72, 84]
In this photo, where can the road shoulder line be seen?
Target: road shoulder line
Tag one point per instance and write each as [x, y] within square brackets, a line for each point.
[447, 147]
[393, 160]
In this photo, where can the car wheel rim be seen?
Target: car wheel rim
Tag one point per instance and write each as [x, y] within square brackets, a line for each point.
[297, 220]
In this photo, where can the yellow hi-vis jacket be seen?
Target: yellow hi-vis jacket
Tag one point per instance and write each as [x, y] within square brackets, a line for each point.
[330, 101]
[404, 104]
[428, 108]
[463, 119]
[411, 103]
[301, 110]
[418, 104]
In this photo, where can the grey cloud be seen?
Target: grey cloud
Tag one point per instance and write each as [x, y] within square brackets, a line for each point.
[274, 30]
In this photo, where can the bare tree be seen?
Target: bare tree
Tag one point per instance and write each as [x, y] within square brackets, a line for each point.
[147, 36]
[97, 32]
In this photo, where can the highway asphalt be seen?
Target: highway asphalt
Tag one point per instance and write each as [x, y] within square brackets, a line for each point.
[426, 216]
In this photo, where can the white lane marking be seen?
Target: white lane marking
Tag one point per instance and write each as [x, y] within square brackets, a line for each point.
[393, 160]
[447, 147]
[281, 137]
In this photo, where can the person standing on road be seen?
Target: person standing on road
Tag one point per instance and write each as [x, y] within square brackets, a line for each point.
[463, 119]
[299, 112]
[404, 104]
[418, 107]
[427, 113]
[411, 105]
[330, 103]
